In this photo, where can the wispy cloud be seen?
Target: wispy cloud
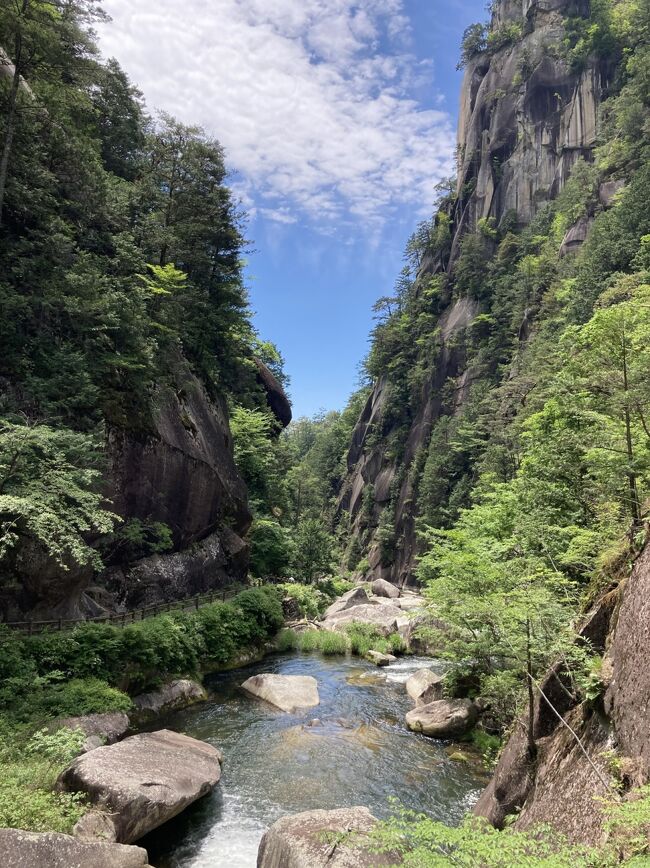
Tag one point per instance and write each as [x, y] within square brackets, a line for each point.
[312, 99]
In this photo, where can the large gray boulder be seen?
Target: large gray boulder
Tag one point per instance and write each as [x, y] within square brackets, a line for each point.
[355, 597]
[425, 686]
[444, 718]
[145, 780]
[385, 619]
[382, 588]
[51, 850]
[286, 692]
[380, 659]
[175, 694]
[99, 729]
[316, 839]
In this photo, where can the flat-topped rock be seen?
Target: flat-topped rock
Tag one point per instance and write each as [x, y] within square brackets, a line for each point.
[51, 850]
[380, 659]
[316, 839]
[382, 588]
[145, 780]
[444, 718]
[425, 686]
[286, 692]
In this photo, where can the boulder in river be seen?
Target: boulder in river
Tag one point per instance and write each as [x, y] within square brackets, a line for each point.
[317, 839]
[380, 659]
[424, 686]
[145, 780]
[171, 696]
[51, 850]
[444, 718]
[286, 692]
[355, 597]
[382, 588]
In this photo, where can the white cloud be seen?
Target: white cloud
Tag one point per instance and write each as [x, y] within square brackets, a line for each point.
[310, 98]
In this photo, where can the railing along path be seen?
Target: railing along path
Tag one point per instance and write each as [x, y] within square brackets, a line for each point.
[125, 618]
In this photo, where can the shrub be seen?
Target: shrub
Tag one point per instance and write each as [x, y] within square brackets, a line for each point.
[82, 696]
[311, 600]
[287, 640]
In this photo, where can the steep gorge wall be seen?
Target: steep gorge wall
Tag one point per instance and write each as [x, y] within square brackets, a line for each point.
[525, 118]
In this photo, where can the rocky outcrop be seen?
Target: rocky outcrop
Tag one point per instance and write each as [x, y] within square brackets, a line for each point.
[322, 839]
[424, 686]
[145, 780]
[286, 692]
[355, 597]
[99, 729]
[178, 470]
[382, 588]
[177, 694]
[276, 397]
[50, 850]
[386, 619]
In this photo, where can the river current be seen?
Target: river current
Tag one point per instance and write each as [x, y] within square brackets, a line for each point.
[353, 749]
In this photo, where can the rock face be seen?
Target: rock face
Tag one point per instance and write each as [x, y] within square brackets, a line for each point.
[144, 780]
[286, 692]
[50, 850]
[276, 397]
[180, 471]
[176, 694]
[315, 839]
[99, 729]
[382, 588]
[444, 718]
[562, 787]
[425, 686]
[525, 118]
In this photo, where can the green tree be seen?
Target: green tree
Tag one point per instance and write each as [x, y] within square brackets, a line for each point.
[314, 550]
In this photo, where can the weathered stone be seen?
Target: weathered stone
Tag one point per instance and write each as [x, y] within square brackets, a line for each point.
[291, 609]
[425, 686]
[576, 236]
[316, 839]
[382, 588]
[276, 397]
[385, 619]
[50, 850]
[444, 718]
[355, 597]
[608, 191]
[144, 780]
[95, 826]
[380, 659]
[424, 634]
[99, 729]
[286, 692]
[171, 696]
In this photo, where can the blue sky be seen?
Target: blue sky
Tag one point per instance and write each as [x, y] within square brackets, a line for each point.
[338, 118]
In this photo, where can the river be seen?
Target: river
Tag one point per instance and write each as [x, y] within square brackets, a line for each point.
[353, 749]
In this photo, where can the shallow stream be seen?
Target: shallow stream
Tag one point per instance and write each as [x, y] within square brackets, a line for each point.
[353, 749]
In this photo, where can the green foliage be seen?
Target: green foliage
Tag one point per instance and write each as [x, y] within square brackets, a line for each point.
[314, 550]
[49, 491]
[474, 42]
[30, 767]
[311, 600]
[272, 548]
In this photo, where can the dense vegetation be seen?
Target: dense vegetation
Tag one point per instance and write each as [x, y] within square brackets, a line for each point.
[122, 249]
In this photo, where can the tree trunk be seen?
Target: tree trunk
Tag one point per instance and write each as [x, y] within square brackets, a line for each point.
[11, 124]
[532, 746]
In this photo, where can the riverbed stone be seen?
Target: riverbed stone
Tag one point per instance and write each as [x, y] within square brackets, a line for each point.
[145, 780]
[52, 850]
[380, 659]
[385, 618]
[286, 692]
[315, 839]
[425, 686]
[382, 588]
[355, 597]
[174, 695]
[444, 718]
[99, 729]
